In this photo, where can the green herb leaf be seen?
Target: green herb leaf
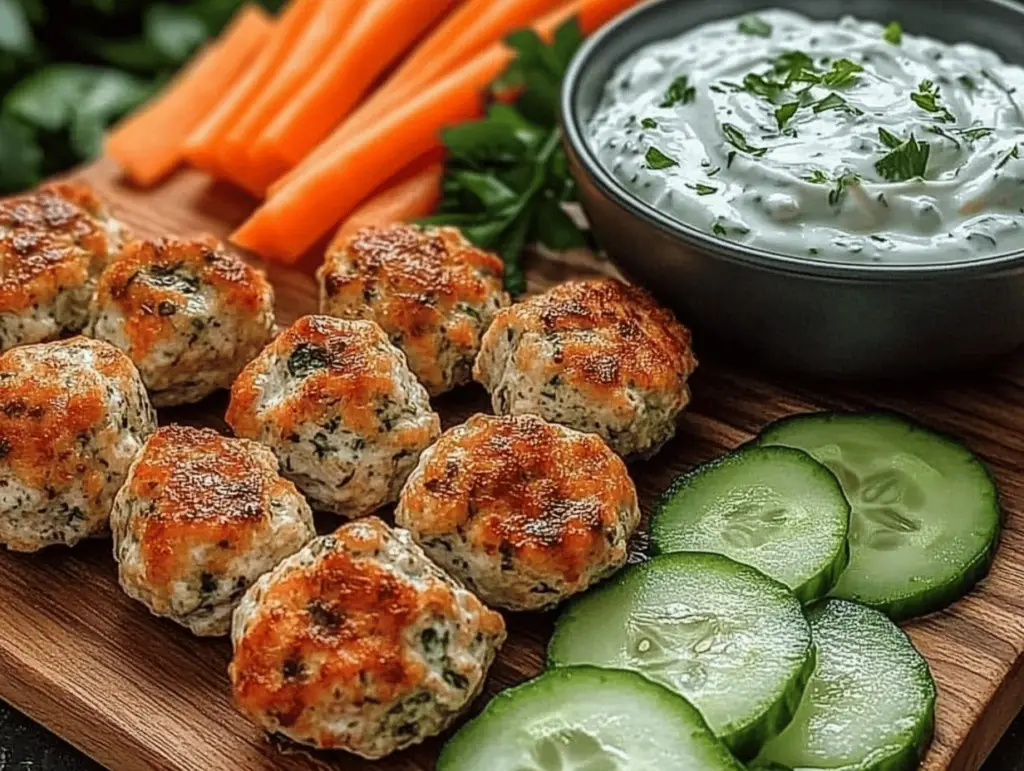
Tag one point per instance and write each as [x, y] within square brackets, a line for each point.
[761, 86]
[785, 112]
[818, 177]
[703, 189]
[679, 91]
[174, 31]
[719, 229]
[554, 228]
[15, 33]
[1014, 154]
[735, 137]
[967, 82]
[905, 162]
[927, 98]
[21, 157]
[974, 134]
[755, 26]
[649, 123]
[657, 160]
[842, 184]
[893, 33]
[835, 102]
[843, 73]
[888, 138]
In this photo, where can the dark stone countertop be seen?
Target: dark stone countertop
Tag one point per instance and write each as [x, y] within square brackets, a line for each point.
[26, 746]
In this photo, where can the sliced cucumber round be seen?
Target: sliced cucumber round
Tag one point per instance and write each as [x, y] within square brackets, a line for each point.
[926, 515]
[731, 640]
[870, 705]
[587, 719]
[774, 508]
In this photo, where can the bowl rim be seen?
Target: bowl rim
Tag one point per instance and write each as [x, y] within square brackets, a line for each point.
[634, 206]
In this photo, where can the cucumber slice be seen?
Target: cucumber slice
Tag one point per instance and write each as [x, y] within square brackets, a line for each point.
[774, 508]
[587, 719]
[926, 515]
[870, 705]
[731, 640]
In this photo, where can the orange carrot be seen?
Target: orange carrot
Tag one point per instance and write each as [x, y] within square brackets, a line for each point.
[148, 144]
[293, 219]
[409, 196]
[204, 147]
[381, 33]
[324, 31]
[466, 32]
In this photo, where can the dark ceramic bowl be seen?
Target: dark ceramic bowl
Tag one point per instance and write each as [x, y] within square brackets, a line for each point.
[825, 318]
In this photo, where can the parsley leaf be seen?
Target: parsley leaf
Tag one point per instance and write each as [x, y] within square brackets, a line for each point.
[703, 189]
[785, 112]
[974, 134]
[818, 177]
[755, 26]
[889, 139]
[657, 160]
[967, 82]
[679, 91]
[649, 123]
[843, 73]
[904, 162]
[893, 33]
[762, 86]
[845, 181]
[1014, 154]
[735, 137]
[927, 98]
[835, 102]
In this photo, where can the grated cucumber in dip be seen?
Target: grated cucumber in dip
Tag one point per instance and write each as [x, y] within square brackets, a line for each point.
[848, 141]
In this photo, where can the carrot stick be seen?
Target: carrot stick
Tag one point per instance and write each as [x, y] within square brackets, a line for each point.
[466, 32]
[409, 196]
[204, 147]
[381, 33]
[148, 144]
[325, 30]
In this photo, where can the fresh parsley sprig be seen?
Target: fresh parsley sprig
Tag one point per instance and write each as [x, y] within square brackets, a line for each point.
[507, 178]
[905, 161]
[927, 98]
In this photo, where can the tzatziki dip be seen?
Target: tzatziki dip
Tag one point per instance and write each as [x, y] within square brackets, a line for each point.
[841, 140]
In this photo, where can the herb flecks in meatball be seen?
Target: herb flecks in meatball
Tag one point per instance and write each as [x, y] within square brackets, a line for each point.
[431, 291]
[199, 519]
[599, 356]
[73, 415]
[335, 400]
[359, 642]
[524, 512]
[189, 314]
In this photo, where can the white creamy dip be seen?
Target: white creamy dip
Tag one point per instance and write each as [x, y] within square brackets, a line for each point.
[846, 140]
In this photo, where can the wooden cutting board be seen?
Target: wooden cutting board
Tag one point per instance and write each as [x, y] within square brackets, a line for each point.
[138, 693]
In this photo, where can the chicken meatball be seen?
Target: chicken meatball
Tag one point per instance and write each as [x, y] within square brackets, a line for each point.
[361, 643]
[432, 291]
[337, 403]
[597, 355]
[187, 312]
[524, 512]
[73, 415]
[54, 243]
[198, 520]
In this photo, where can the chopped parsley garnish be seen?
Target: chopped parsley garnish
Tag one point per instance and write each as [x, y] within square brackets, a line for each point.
[703, 189]
[657, 160]
[719, 229]
[967, 82]
[762, 86]
[939, 131]
[835, 102]
[1014, 154]
[906, 161]
[893, 33]
[974, 134]
[784, 112]
[927, 98]
[649, 123]
[756, 26]
[843, 73]
[889, 139]
[712, 172]
[835, 195]
[679, 91]
[735, 137]
[818, 177]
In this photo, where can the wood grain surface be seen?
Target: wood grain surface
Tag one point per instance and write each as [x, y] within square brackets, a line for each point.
[140, 694]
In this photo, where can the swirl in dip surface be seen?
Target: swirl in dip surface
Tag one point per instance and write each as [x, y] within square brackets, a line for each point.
[840, 140]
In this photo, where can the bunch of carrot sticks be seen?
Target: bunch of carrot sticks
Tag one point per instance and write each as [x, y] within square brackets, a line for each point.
[331, 113]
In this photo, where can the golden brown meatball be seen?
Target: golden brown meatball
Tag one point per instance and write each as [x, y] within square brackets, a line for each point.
[73, 415]
[338, 405]
[598, 355]
[359, 642]
[187, 312]
[432, 291]
[199, 519]
[54, 242]
[524, 512]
